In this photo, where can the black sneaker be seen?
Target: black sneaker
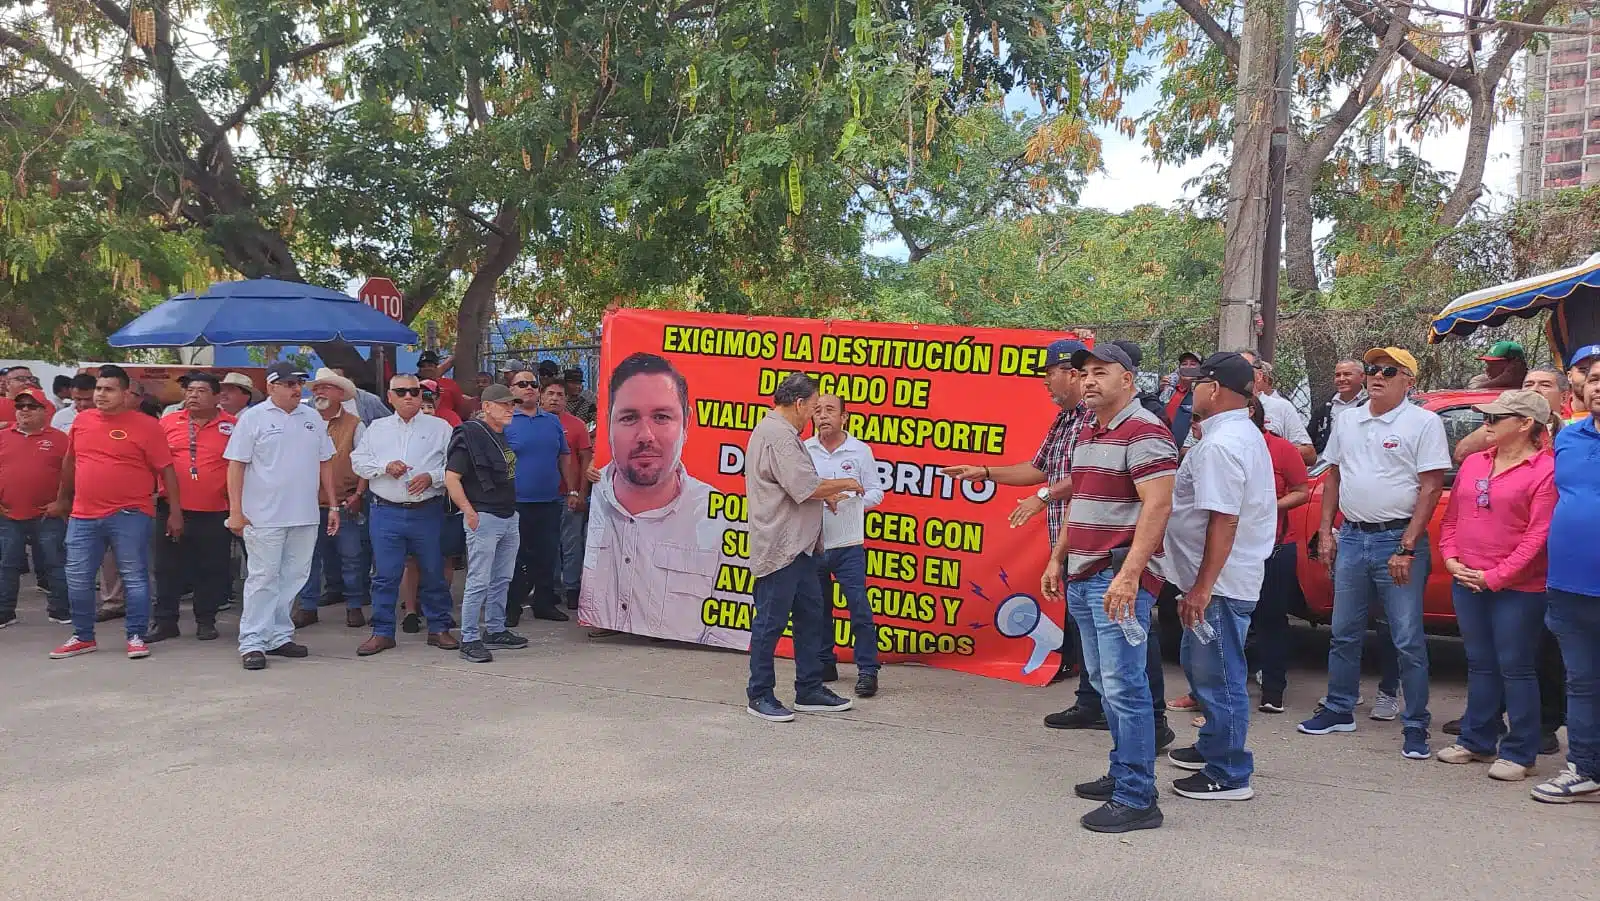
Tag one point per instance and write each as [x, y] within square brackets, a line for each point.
[822, 701]
[1200, 787]
[553, 614]
[769, 709]
[161, 632]
[60, 618]
[290, 649]
[412, 624]
[7, 619]
[226, 604]
[1549, 744]
[1098, 790]
[475, 652]
[254, 660]
[505, 639]
[205, 632]
[1164, 734]
[1114, 817]
[866, 685]
[1076, 717]
[572, 599]
[1186, 759]
[1271, 702]
[1451, 728]
[830, 672]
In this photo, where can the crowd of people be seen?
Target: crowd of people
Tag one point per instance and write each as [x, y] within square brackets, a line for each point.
[1177, 499]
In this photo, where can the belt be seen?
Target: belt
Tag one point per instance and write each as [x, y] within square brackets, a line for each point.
[1390, 526]
[414, 505]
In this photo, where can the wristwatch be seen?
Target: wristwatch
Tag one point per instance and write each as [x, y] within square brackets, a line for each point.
[1405, 552]
[1044, 494]
[574, 494]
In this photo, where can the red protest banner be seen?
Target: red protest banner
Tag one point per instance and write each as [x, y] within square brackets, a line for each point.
[951, 583]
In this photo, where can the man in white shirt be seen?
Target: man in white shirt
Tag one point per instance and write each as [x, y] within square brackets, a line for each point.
[277, 461]
[1349, 392]
[839, 455]
[402, 458]
[1387, 465]
[1222, 530]
[1283, 419]
[82, 399]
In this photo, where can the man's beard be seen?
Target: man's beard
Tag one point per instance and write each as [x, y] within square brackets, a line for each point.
[665, 469]
[322, 403]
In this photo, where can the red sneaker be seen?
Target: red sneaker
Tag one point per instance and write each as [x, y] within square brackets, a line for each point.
[73, 648]
[137, 648]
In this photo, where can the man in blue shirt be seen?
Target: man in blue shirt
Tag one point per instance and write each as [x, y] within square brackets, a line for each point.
[543, 456]
[1573, 612]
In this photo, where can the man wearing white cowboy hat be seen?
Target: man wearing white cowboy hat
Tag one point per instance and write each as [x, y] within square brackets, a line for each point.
[238, 392]
[339, 565]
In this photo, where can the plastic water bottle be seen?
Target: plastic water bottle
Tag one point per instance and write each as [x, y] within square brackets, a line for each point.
[1203, 632]
[1132, 632]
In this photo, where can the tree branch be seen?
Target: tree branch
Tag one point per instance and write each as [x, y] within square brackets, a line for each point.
[57, 66]
[1226, 42]
[1327, 136]
[483, 223]
[264, 87]
[1381, 21]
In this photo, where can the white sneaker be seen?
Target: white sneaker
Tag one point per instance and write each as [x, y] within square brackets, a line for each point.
[1567, 786]
[1506, 771]
[1386, 708]
[1458, 753]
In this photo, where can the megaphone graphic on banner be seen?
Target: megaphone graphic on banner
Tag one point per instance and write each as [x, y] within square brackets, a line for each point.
[1019, 616]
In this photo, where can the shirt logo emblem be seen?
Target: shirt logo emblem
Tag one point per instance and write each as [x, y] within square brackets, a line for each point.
[308, 426]
[225, 428]
[118, 435]
[1391, 442]
[46, 444]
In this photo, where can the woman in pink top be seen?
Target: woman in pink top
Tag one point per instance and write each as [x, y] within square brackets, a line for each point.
[1493, 544]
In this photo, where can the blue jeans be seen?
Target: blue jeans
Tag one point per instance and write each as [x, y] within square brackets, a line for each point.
[491, 561]
[574, 528]
[848, 565]
[48, 536]
[1117, 670]
[339, 560]
[1218, 675]
[1361, 576]
[127, 534]
[399, 532]
[1575, 620]
[1501, 630]
[791, 591]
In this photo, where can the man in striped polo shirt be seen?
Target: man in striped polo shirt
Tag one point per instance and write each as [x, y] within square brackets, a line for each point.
[1123, 465]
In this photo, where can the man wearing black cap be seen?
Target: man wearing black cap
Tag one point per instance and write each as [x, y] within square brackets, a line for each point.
[198, 435]
[1104, 563]
[580, 403]
[1223, 528]
[430, 367]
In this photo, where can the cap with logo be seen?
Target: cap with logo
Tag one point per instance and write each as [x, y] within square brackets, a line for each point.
[1060, 351]
[1586, 352]
[34, 394]
[497, 394]
[1230, 370]
[284, 372]
[1527, 404]
[1505, 350]
[428, 358]
[1398, 354]
[1105, 353]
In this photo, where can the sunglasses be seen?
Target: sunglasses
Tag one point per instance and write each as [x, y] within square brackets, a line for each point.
[1387, 372]
[524, 384]
[22, 407]
[1493, 418]
[406, 392]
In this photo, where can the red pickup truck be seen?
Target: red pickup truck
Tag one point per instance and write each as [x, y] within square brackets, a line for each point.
[1316, 585]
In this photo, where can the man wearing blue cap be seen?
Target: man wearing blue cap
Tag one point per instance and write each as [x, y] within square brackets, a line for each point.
[1048, 471]
[1577, 375]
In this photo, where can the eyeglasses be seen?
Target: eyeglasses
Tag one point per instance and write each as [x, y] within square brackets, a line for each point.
[1493, 418]
[524, 384]
[25, 407]
[1483, 494]
[406, 392]
[1387, 372]
[287, 383]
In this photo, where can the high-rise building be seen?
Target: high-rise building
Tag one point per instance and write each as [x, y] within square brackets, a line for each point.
[1561, 117]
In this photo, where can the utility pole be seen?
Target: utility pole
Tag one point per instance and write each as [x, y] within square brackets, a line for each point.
[1245, 239]
[1277, 164]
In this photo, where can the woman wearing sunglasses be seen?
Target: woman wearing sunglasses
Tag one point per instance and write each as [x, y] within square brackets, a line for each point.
[1493, 544]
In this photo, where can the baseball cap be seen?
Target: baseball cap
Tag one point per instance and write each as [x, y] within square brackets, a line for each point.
[35, 394]
[549, 367]
[497, 394]
[1105, 353]
[1583, 353]
[1230, 370]
[572, 375]
[1060, 351]
[1504, 350]
[1529, 404]
[279, 372]
[427, 357]
[210, 379]
[1131, 348]
[1188, 355]
[1398, 354]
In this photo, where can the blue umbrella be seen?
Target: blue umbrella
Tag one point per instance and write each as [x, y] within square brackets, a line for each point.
[261, 311]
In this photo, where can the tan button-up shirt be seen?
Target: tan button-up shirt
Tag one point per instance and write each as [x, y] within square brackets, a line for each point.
[779, 478]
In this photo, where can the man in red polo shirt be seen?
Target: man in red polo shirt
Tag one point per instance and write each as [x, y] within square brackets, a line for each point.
[196, 436]
[113, 458]
[575, 518]
[30, 473]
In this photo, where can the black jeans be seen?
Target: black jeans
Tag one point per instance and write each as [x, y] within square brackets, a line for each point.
[202, 558]
[539, 555]
[1089, 699]
[1270, 653]
[1551, 671]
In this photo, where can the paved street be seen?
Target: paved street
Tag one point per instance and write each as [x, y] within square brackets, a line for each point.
[578, 770]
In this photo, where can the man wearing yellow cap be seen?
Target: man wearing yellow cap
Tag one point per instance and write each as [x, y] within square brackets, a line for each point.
[1387, 465]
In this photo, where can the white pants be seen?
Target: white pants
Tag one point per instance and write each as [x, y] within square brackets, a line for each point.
[280, 563]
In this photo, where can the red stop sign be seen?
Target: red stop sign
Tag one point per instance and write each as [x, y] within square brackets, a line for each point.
[382, 295]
